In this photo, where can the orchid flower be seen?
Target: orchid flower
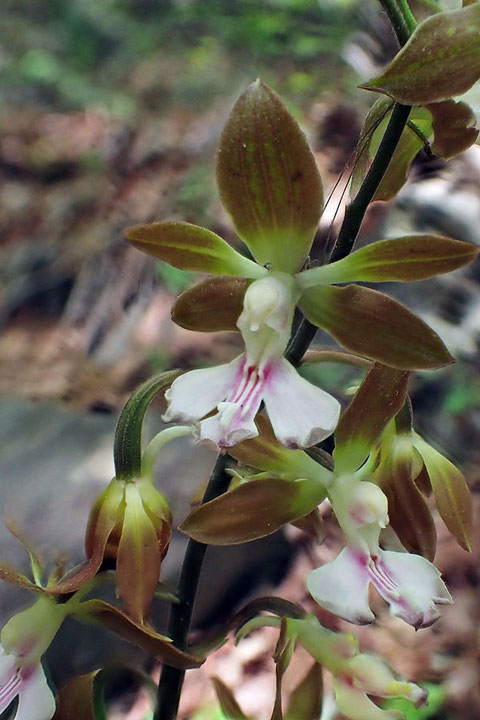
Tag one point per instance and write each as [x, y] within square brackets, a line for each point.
[409, 583]
[24, 639]
[270, 186]
[356, 675]
[300, 413]
[368, 675]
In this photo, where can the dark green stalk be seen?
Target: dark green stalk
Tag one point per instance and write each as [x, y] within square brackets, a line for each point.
[354, 215]
[355, 211]
[171, 680]
[300, 342]
[401, 17]
[127, 445]
[404, 24]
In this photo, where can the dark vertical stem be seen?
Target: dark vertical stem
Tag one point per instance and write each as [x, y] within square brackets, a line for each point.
[171, 680]
[354, 215]
[401, 17]
[404, 24]
[356, 210]
[300, 342]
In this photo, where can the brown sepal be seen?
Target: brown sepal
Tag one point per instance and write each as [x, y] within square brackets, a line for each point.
[253, 510]
[453, 127]
[213, 305]
[409, 514]
[371, 324]
[378, 399]
[440, 60]
[268, 179]
[157, 645]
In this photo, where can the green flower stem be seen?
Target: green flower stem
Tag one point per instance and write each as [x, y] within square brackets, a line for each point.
[127, 445]
[171, 680]
[401, 17]
[404, 24]
[158, 442]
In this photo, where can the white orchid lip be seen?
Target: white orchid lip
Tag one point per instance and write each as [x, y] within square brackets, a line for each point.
[410, 584]
[300, 413]
[9, 688]
[28, 683]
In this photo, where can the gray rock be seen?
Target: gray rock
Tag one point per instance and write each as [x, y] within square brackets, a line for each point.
[53, 464]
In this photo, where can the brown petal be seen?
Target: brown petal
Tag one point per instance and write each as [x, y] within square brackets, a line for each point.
[106, 516]
[252, 510]
[158, 646]
[454, 128]
[374, 325]
[440, 60]
[190, 247]
[408, 512]
[230, 707]
[211, 306]
[75, 699]
[379, 398]
[268, 179]
[138, 559]
[451, 493]
[307, 697]
[13, 577]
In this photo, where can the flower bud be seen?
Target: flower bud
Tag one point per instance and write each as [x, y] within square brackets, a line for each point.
[130, 523]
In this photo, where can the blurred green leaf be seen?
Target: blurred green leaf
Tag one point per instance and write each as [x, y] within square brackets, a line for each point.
[437, 695]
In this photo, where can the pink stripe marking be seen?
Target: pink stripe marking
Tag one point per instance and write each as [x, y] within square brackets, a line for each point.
[380, 577]
[10, 689]
[243, 380]
[251, 385]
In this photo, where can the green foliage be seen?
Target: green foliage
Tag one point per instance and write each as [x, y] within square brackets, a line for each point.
[173, 278]
[434, 710]
[195, 194]
[84, 52]
[463, 393]
[208, 712]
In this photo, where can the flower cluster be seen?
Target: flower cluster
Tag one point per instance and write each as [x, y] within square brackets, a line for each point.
[271, 188]
[356, 675]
